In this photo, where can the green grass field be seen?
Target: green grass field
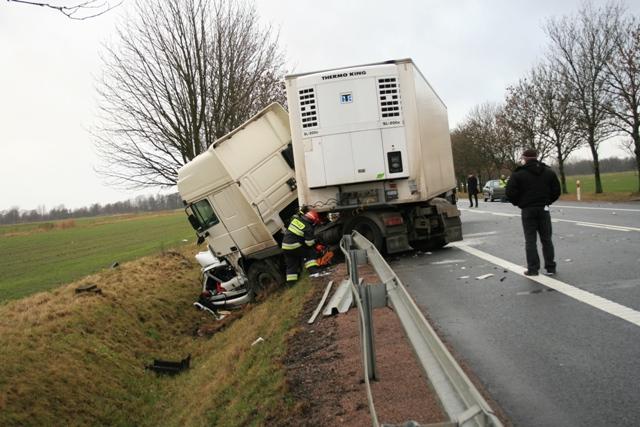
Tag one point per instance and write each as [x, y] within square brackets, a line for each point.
[617, 182]
[37, 257]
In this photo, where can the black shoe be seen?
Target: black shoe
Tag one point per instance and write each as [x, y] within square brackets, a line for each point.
[551, 272]
[531, 273]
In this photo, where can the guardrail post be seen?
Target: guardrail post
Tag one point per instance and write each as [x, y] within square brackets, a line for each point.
[365, 294]
[366, 299]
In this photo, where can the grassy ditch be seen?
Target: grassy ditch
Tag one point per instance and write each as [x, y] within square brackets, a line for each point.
[78, 359]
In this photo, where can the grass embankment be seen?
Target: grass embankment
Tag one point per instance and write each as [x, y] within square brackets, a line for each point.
[617, 186]
[78, 359]
[40, 256]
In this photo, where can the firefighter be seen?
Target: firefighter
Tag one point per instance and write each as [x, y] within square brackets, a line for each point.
[298, 244]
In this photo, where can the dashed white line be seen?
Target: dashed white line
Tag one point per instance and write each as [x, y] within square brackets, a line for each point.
[582, 223]
[591, 208]
[486, 233]
[603, 304]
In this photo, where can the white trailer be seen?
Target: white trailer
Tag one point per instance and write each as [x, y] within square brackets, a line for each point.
[241, 191]
[371, 143]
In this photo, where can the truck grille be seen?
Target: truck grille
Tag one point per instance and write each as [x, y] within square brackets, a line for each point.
[308, 111]
[389, 97]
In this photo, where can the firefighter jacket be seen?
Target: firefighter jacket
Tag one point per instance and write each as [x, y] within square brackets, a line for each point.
[300, 232]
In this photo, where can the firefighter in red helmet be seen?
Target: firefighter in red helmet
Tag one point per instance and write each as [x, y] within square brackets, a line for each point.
[298, 243]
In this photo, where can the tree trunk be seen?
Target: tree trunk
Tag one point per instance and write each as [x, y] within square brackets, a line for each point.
[596, 162]
[563, 178]
[636, 141]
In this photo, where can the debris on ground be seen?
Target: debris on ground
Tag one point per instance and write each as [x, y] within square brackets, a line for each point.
[115, 264]
[211, 328]
[484, 276]
[88, 288]
[257, 341]
[169, 367]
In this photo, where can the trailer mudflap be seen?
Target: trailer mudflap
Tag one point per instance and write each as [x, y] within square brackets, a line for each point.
[453, 228]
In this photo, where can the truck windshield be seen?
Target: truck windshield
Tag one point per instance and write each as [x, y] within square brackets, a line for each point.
[205, 214]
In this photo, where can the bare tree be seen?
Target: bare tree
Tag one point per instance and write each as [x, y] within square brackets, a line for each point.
[553, 98]
[185, 72]
[78, 10]
[492, 137]
[624, 85]
[524, 115]
[467, 157]
[581, 47]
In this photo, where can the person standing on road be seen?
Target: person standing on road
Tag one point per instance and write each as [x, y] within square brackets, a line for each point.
[532, 187]
[472, 189]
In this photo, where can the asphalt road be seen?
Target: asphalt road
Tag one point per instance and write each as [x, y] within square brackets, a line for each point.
[552, 352]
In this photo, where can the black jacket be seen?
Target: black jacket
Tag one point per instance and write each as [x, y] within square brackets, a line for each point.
[533, 184]
[299, 232]
[472, 185]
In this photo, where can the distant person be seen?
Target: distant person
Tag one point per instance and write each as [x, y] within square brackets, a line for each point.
[503, 184]
[532, 187]
[472, 189]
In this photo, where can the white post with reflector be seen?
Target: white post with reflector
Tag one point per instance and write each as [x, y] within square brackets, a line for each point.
[578, 189]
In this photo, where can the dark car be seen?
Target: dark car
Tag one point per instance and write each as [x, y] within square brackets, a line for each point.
[493, 191]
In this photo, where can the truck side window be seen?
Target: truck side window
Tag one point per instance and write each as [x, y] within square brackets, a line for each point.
[287, 153]
[205, 214]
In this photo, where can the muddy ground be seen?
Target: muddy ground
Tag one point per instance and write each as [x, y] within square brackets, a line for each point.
[325, 373]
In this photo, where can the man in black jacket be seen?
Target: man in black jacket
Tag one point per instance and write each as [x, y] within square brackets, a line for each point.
[533, 187]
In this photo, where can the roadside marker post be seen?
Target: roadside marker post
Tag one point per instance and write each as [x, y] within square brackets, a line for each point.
[578, 189]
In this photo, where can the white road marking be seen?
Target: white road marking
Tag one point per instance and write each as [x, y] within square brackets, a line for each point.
[610, 307]
[603, 209]
[582, 223]
[598, 225]
[606, 227]
[486, 233]
[448, 261]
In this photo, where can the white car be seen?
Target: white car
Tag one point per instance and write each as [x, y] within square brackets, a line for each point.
[221, 286]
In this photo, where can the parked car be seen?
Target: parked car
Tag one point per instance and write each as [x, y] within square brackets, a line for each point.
[493, 191]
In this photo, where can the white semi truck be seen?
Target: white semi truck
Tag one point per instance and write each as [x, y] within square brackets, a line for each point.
[241, 192]
[370, 147]
[371, 144]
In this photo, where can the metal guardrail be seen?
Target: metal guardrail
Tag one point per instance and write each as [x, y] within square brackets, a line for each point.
[462, 402]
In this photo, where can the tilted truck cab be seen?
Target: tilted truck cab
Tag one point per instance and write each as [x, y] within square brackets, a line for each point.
[371, 143]
[241, 191]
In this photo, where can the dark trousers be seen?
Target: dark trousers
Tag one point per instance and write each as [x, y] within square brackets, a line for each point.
[294, 259]
[473, 194]
[536, 220]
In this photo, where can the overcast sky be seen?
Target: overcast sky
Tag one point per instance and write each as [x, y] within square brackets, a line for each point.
[470, 51]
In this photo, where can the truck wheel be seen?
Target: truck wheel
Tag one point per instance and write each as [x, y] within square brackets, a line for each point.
[428, 245]
[263, 276]
[369, 231]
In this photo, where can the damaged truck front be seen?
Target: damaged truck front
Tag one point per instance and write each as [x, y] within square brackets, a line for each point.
[239, 194]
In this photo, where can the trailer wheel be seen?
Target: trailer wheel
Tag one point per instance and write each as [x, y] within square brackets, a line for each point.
[263, 276]
[368, 229]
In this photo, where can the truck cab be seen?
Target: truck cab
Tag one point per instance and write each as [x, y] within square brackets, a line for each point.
[240, 193]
